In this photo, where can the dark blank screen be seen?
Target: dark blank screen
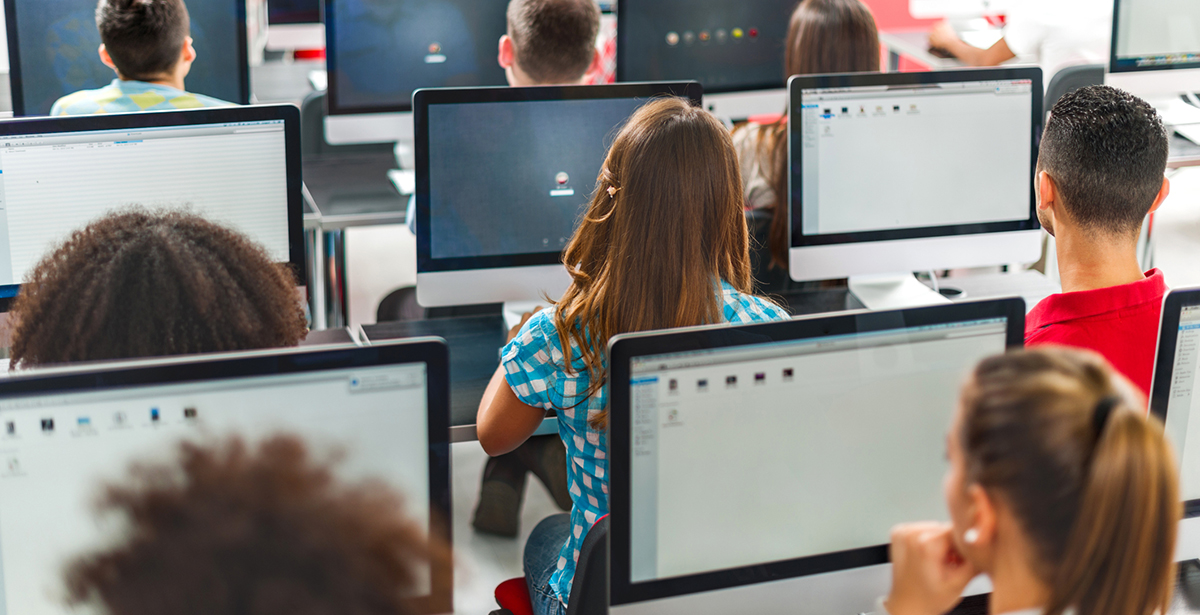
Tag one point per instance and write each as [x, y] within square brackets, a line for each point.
[385, 49]
[294, 11]
[725, 45]
[495, 170]
[59, 41]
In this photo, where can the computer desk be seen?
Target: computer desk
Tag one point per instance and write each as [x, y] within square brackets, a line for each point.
[915, 45]
[1184, 153]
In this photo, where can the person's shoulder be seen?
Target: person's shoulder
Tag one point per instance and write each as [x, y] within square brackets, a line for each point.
[84, 101]
[192, 100]
[746, 307]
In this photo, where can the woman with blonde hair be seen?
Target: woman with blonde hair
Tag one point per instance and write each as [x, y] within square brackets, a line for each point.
[1060, 489]
[663, 244]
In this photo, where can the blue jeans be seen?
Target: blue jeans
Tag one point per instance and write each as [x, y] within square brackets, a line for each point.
[541, 561]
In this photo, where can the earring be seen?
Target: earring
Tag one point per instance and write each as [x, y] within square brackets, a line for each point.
[971, 536]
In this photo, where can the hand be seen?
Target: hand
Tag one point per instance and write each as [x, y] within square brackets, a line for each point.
[928, 573]
[943, 36]
[512, 333]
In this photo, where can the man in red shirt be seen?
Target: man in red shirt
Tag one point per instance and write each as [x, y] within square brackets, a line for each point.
[1100, 173]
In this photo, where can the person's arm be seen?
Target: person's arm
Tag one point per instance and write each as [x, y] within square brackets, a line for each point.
[944, 37]
[504, 422]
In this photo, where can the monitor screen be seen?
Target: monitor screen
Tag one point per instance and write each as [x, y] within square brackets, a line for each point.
[154, 166]
[1177, 388]
[294, 11]
[506, 173]
[905, 133]
[63, 444]
[871, 430]
[726, 46]
[1155, 35]
[53, 51]
[380, 51]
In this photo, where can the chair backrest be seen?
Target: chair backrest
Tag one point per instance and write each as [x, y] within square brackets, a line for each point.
[1070, 79]
[767, 280]
[312, 133]
[589, 591]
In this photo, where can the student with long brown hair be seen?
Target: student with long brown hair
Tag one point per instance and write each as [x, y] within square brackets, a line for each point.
[1060, 489]
[663, 244]
[824, 36]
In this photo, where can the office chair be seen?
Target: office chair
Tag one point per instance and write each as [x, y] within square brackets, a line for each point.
[312, 133]
[1070, 79]
[767, 279]
[588, 591]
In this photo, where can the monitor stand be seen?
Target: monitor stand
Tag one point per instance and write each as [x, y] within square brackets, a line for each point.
[894, 291]
[515, 310]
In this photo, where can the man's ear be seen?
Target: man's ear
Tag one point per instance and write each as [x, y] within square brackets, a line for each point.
[1162, 195]
[1047, 193]
[506, 53]
[105, 58]
[188, 54]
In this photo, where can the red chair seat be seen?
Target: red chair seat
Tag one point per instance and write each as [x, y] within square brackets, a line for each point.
[513, 596]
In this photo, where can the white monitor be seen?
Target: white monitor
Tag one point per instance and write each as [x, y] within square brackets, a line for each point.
[1155, 47]
[760, 469]
[379, 52]
[1175, 398]
[66, 434]
[295, 25]
[503, 175]
[734, 49]
[902, 172]
[53, 51]
[942, 9]
[238, 166]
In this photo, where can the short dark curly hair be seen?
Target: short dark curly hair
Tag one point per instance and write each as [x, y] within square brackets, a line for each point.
[140, 284]
[554, 40]
[143, 37]
[1106, 150]
[233, 530]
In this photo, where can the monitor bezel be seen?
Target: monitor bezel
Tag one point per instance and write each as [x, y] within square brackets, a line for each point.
[433, 352]
[1164, 363]
[622, 64]
[1116, 65]
[332, 107]
[14, 57]
[627, 347]
[425, 98]
[289, 114]
[797, 84]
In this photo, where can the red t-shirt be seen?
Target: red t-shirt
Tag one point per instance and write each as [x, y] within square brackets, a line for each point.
[1120, 323]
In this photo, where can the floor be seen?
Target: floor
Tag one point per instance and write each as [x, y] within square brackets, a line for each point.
[483, 561]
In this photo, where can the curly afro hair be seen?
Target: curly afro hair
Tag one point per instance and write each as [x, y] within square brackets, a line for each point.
[143, 284]
[231, 529]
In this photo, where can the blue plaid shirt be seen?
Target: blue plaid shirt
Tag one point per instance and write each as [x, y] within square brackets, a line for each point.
[533, 365]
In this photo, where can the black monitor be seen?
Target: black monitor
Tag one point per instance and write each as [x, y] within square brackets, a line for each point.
[726, 46]
[503, 175]
[378, 52]
[53, 51]
[1175, 398]
[65, 434]
[792, 448]
[282, 12]
[234, 165]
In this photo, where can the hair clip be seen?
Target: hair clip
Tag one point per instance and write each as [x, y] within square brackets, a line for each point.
[612, 192]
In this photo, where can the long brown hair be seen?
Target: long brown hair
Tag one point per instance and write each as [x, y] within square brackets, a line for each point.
[1093, 483]
[824, 36]
[664, 227]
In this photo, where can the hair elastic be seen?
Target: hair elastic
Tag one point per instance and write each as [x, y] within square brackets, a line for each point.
[612, 191]
[1103, 410]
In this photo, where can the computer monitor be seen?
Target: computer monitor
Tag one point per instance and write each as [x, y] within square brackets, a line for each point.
[903, 172]
[830, 431]
[734, 49]
[65, 434]
[380, 51]
[1175, 398]
[503, 175]
[239, 166]
[53, 50]
[295, 24]
[1155, 47]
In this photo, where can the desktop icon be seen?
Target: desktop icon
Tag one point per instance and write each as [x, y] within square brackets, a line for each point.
[730, 382]
[154, 415]
[562, 179]
[702, 384]
[673, 385]
[789, 374]
[435, 48]
[672, 38]
[704, 36]
[753, 32]
[738, 33]
[119, 419]
[721, 36]
[760, 378]
[83, 421]
[190, 414]
[689, 37]
[11, 428]
[47, 424]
